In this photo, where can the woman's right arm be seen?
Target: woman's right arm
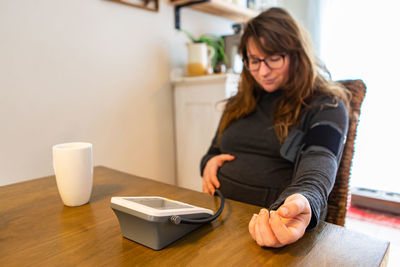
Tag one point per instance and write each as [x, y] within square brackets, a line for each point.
[209, 165]
[210, 179]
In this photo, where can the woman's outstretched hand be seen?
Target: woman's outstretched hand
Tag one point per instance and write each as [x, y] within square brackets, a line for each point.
[210, 180]
[284, 226]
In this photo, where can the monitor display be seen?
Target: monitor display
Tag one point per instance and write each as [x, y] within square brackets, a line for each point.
[159, 203]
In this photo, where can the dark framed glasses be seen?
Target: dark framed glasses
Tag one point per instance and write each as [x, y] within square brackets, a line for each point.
[273, 62]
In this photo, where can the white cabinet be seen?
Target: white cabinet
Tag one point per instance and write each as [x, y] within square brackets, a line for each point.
[198, 108]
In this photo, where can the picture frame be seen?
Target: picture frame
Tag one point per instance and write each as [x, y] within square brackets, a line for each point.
[151, 5]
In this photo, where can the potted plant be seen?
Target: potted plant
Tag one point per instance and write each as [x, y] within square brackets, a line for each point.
[216, 42]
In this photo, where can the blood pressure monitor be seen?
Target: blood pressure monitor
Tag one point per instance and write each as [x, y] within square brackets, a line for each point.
[157, 221]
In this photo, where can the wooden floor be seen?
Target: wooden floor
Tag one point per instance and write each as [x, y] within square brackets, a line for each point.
[382, 232]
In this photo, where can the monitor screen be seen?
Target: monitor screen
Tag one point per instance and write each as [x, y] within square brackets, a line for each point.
[159, 203]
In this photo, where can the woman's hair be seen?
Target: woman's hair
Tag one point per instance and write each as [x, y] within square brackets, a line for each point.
[275, 31]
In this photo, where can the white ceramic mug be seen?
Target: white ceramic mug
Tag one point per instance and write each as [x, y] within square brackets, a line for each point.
[73, 167]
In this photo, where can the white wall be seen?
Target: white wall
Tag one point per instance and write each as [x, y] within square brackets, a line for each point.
[94, 71]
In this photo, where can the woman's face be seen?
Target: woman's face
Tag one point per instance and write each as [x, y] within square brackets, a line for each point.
[269, 79]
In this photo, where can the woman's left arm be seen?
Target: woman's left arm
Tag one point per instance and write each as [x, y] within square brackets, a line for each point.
[313, 179]
[318, 162]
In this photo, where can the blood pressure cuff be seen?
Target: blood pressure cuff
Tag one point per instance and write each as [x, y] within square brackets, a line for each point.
[323, 134]
[292, 145]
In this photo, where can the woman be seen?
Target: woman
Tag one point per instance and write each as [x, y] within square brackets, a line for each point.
[280, 137]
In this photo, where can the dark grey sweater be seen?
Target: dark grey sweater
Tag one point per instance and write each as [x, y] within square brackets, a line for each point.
[260, 175]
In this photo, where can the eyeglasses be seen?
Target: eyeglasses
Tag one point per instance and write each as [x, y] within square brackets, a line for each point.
[273, 62]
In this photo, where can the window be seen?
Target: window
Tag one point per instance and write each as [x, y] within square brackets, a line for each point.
[359, 40]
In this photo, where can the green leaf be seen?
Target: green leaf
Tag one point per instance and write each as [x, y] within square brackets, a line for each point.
[191, 37]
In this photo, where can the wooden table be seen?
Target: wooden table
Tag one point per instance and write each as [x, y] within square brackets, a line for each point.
[37, 229]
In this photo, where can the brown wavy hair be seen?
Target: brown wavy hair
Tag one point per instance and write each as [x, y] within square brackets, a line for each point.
[275, 31]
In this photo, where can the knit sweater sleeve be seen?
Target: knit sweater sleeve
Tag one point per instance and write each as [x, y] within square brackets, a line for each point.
[314, 175]
[213, 150]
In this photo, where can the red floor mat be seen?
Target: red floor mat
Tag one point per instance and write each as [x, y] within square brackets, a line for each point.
[386, 219]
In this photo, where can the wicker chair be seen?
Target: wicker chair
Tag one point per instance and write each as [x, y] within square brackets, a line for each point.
[339, 198]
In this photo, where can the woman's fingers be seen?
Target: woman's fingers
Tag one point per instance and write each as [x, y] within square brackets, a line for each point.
[213, 178]
[252, 225]
[208, 186]
[293, 206]
[291, 220]
[210, 179]
[284, 234]
[263, 233]
[224, 157]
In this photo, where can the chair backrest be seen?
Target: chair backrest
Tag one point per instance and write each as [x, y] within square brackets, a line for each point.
[340, 197]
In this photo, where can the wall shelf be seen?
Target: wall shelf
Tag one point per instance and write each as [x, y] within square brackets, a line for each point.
[220, 8]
